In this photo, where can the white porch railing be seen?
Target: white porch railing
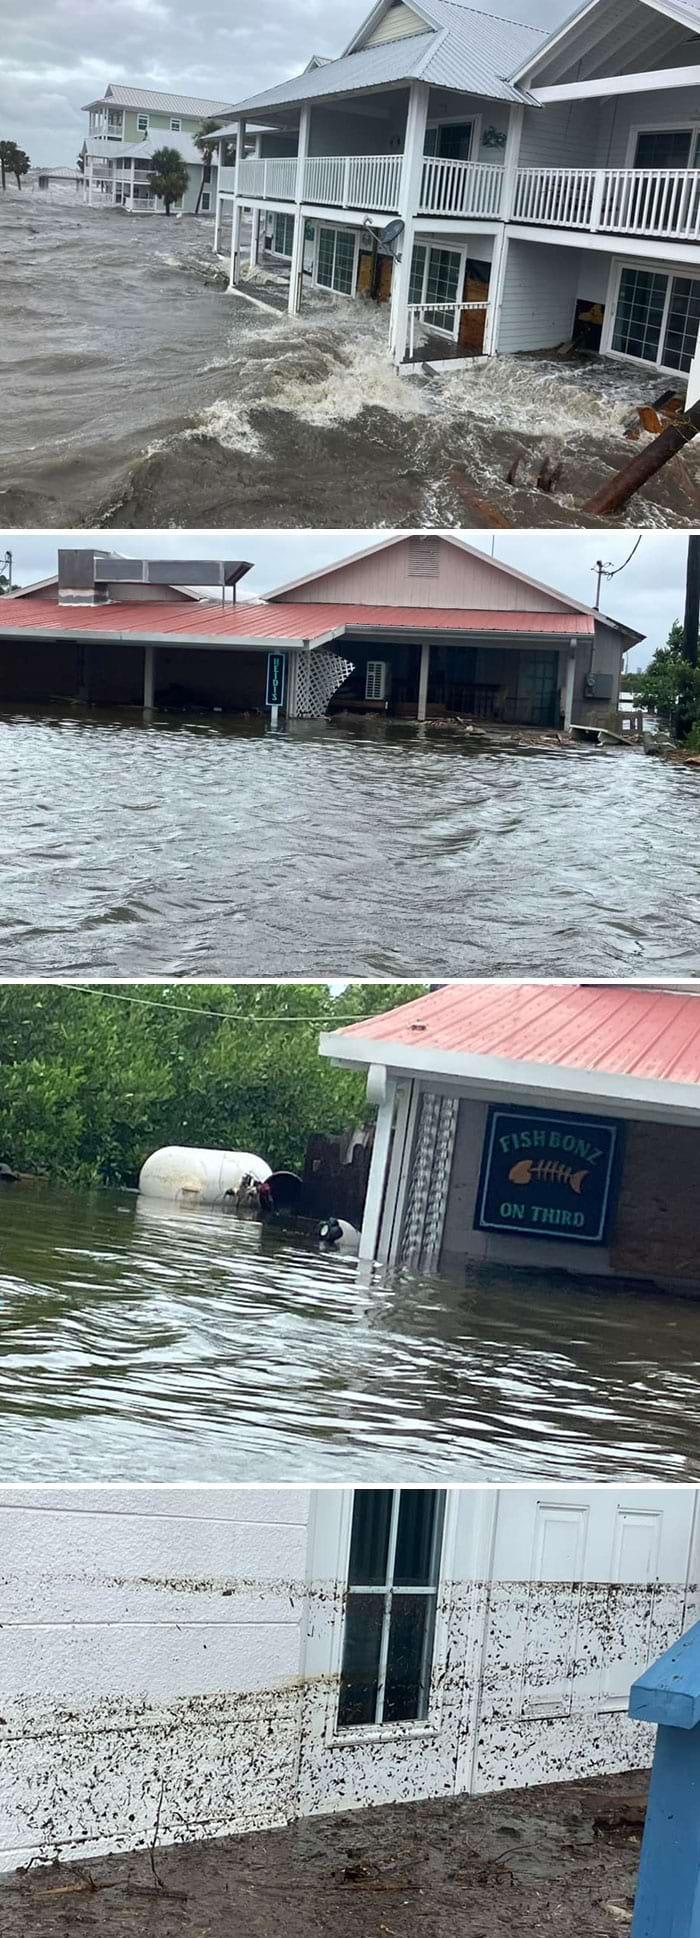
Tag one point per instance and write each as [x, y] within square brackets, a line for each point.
[449, 315]
[371, 183]
[613, 201]
[460, 188]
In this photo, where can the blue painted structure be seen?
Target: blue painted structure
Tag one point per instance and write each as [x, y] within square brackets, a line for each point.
[667, 1904]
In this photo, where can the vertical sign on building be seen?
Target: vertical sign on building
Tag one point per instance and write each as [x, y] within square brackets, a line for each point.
[549, 1174]
[276, 679]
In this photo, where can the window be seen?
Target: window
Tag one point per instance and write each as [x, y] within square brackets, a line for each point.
[142, 123]
[435, 277]
[640, 314]
[175, 125]
[451, 139]
[375, 679]
[336, 260]
[657, 319]
[283, 235]
[205, 203]
[393, 1576]
[664, 148]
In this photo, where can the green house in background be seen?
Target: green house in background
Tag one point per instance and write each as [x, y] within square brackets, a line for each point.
[127, 126]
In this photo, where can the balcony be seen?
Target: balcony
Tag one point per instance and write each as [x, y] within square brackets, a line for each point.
[370, 183]
[645, 202]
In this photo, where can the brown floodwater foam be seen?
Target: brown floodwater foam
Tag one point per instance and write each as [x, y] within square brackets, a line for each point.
[183, 405]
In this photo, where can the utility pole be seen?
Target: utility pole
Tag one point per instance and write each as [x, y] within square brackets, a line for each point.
[692, 601]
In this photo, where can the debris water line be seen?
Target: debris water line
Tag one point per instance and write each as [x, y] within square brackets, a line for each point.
[176, 404]
[205, 847]
[173, 1344]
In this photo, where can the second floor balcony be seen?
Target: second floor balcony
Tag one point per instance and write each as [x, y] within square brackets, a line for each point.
[651, 203]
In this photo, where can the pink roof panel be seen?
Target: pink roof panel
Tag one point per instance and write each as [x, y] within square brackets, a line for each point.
[619, 1029]
[273, 620]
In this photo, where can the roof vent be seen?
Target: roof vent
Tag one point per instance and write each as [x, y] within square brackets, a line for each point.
[423, 558]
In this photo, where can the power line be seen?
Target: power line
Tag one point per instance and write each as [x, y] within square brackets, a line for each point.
[217, 1015]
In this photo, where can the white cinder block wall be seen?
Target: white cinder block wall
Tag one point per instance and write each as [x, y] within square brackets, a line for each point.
[151, 1654]
[170, 1656]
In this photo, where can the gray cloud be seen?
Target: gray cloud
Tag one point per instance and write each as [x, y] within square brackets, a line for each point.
[56, 56]
[648, 595]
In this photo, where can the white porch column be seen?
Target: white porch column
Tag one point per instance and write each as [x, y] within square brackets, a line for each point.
[149, 678]
[423, 678]
[569, 687]
[511, 161]
[254, 237]
[133, 181]
[217, 205]
[297, 263]
[408, 198]
[378, 1087]
[237, 211]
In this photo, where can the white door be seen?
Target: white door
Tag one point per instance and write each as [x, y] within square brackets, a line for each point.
[587, 1587]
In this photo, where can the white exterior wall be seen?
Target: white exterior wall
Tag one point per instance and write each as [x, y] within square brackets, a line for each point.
[538, 304]
[387, 578]
[338, 131]
[669, 108]
[151, 1642]
[562, 135]
[163, 1655]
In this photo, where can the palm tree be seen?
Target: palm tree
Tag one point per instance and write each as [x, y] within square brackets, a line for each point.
[206, 140]
[169, 176]
[13, 161]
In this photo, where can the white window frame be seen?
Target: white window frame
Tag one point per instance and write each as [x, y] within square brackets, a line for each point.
[281, 215]
[669, 270]
[457, 121]
[205, 204]
[338, 228]
[141, 117]
[374, 667]
[175, 124]
[431, 1723]
[429, 243]
[661, 127]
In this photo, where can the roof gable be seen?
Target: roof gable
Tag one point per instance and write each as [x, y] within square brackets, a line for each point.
[386, 573]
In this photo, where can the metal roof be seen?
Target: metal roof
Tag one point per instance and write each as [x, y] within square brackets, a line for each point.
[297, 622]
[619, 1030]
[148, 97]
[462, 49]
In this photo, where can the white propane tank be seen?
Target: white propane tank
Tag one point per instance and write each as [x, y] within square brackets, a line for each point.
[186, 1175]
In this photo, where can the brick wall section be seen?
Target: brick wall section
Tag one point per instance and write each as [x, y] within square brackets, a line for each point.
[657, 1228]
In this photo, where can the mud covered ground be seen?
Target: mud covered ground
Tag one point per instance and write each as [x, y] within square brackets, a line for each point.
[557, 1860]
[215, 410]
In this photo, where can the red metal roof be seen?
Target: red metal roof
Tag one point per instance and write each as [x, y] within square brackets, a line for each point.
[620, 1029]
[206, 619]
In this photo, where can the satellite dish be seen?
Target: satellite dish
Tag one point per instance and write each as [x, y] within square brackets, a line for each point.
[390, 237]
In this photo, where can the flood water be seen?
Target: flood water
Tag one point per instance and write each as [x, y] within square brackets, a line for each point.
[191, 848]
[141, 1342]
[139, 393]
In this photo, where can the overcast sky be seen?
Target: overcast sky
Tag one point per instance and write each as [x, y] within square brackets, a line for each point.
[57, 54]
[649, 594]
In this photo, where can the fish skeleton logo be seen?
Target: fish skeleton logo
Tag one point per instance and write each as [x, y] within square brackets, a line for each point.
[546, 1171]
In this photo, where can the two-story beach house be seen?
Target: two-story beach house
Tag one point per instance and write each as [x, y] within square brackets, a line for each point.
[127, 126]
[502, 189]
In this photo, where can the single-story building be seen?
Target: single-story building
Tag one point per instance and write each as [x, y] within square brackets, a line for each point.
[552, 1125]
[191, 1662]
[414, 627]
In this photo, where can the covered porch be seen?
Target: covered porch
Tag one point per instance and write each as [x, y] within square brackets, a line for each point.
[525, 678]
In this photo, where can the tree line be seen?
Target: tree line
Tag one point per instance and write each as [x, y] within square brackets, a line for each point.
[92, 1079]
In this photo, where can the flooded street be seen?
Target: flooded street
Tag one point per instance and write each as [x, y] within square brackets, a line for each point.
[197, 848]
[139, 1343]
[137, 392]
